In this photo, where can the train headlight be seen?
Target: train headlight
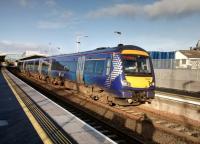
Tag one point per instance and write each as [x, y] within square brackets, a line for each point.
[151, 83]
[126, 83]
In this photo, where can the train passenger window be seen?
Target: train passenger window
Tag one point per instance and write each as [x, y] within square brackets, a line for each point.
[56, 65]
[69, 65]
[36, 65]
[30, 65]
[73, 66]
[99, 67]
[89, 66]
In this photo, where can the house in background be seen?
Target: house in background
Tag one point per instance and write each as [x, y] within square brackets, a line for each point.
[181, 59]
[188, 58]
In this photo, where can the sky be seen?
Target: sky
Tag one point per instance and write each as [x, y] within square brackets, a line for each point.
[52, 26]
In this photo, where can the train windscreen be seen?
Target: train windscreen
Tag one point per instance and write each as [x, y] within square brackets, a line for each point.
[136, 65]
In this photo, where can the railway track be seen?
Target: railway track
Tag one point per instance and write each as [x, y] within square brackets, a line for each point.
[192, 95]
[179, 97]
[133, 121]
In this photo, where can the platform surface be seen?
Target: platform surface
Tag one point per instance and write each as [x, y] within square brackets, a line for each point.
[15, 127]
[77, 129]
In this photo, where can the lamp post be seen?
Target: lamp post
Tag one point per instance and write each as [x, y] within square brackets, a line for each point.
[119, 34]
[78, 37]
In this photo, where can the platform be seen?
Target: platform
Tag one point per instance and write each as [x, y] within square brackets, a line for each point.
[15, 126]
[78, 130]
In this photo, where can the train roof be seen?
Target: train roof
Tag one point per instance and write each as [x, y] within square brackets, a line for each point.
[119, 48]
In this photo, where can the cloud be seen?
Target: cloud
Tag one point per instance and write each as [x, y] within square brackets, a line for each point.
[36, 3]
[56, 21]
[157, 9]
[51, 24]
[23, 3]
[15, 47]
[116, 10]
[50, 3]
[172, 8]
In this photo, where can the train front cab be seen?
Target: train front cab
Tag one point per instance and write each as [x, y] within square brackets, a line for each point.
[138, 81]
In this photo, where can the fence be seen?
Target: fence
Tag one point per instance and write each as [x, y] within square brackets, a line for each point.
[178, 74]
[176, 64]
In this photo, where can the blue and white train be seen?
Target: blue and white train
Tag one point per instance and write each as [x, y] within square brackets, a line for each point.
[121, 75]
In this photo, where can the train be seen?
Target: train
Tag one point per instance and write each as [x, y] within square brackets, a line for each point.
[121, 75]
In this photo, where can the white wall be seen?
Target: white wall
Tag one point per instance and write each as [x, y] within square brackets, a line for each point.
[182, 60]
[181, 79]
[179, 55]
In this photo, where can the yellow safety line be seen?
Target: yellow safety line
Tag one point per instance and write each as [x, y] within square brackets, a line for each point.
[50, 125]
[44, 137]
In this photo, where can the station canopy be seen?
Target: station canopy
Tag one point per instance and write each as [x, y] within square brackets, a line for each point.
[2, 57]
[32, 55]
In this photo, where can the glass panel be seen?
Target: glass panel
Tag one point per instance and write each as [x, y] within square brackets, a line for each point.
[136, 64]
[89, 66]
[56, 65]
[99, 67]
[183, 61]
[108, 66]
[36, 65]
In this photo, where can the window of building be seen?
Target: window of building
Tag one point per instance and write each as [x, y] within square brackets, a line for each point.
[177, 63]
[183, 61]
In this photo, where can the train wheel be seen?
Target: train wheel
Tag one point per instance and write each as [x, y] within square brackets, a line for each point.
[110, 101]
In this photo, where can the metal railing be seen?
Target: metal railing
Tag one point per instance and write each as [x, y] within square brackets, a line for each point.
[176, 64]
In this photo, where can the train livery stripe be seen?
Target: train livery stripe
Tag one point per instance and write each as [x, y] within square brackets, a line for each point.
[137, 52]
[117, 70]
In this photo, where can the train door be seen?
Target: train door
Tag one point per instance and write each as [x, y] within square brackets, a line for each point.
[49, 66]
[100, 71]
[80, 69]
[23, 66]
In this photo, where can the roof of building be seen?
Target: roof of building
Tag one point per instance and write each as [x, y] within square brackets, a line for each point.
[2, 54]
[191, 53]
[31, 53]
[32, 57]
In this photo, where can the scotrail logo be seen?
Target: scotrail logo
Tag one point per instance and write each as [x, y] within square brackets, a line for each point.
[117, 70]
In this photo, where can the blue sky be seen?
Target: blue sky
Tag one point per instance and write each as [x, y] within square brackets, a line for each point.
[45, 25]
